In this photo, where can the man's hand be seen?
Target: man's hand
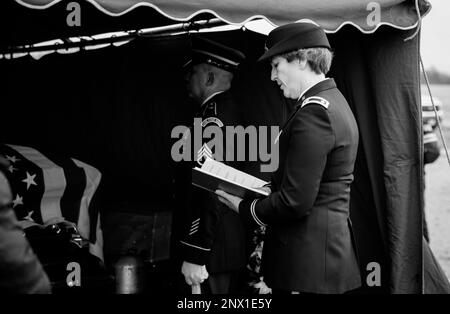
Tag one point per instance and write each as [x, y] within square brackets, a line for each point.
[230, 200]
[194, 274]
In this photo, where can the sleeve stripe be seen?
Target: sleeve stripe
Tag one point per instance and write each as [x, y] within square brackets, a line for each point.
[194, 246]
[252, 211]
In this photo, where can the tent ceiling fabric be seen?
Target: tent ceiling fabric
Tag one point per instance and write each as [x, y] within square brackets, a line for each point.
[366, 15]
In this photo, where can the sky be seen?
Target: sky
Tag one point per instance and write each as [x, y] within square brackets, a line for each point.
[435, 36]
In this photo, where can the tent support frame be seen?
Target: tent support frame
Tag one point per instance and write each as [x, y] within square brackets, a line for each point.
[129, 35]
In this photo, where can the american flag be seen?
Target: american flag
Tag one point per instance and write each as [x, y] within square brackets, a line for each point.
[47, 187]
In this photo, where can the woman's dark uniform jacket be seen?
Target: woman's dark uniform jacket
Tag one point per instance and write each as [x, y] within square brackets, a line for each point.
[309, 245]
[211, 234]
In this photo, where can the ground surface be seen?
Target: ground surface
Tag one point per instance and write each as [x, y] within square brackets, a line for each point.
[437, 193]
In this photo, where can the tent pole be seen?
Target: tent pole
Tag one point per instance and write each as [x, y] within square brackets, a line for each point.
[148, 32]
[180, 27]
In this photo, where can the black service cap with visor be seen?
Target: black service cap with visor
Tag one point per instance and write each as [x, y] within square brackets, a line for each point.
[214, 53]
[294, 36]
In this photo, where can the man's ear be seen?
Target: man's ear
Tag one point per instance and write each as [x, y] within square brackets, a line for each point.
[210, 78]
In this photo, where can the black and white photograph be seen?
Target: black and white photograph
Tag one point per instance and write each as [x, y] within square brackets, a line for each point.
[222, 155]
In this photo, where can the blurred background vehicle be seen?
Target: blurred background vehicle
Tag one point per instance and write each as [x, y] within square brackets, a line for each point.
[428, 114]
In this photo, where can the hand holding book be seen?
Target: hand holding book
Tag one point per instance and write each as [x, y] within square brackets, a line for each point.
[265, 189]
[231, 201]
[214, 175]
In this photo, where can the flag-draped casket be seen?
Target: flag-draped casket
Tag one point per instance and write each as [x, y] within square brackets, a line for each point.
[49, 188]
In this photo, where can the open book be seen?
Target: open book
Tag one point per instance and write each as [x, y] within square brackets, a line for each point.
[214, 175]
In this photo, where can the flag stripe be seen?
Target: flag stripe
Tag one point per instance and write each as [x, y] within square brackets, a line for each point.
[89, 209]
[75, 179]
[55, 182]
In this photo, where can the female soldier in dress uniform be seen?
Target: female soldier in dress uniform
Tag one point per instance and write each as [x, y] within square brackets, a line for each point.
[309, 246]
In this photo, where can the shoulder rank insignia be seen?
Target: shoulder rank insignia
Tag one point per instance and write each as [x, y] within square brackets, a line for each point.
[203, 153]
[316, 100]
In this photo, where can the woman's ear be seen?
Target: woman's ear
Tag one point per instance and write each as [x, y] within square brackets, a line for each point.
[302, 64]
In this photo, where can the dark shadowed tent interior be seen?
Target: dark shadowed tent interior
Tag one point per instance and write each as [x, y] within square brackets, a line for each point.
[114, 108]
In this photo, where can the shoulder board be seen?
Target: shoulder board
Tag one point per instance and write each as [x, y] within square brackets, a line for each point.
[316, 100]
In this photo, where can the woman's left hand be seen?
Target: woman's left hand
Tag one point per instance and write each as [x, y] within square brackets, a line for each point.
[231, 201]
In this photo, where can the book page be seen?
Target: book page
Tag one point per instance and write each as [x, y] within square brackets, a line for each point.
[229, 173]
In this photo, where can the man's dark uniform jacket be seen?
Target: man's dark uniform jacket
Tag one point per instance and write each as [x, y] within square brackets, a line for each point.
[309, 245]
[211, 234]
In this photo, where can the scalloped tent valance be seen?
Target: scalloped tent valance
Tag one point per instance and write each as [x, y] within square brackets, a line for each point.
[28, 22]
[366, 15]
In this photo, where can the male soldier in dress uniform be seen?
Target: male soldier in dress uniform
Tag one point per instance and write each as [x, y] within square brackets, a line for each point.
[309, 246]
[212, 237]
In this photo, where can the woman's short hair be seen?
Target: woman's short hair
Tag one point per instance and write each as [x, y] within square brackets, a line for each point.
[318, 59]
